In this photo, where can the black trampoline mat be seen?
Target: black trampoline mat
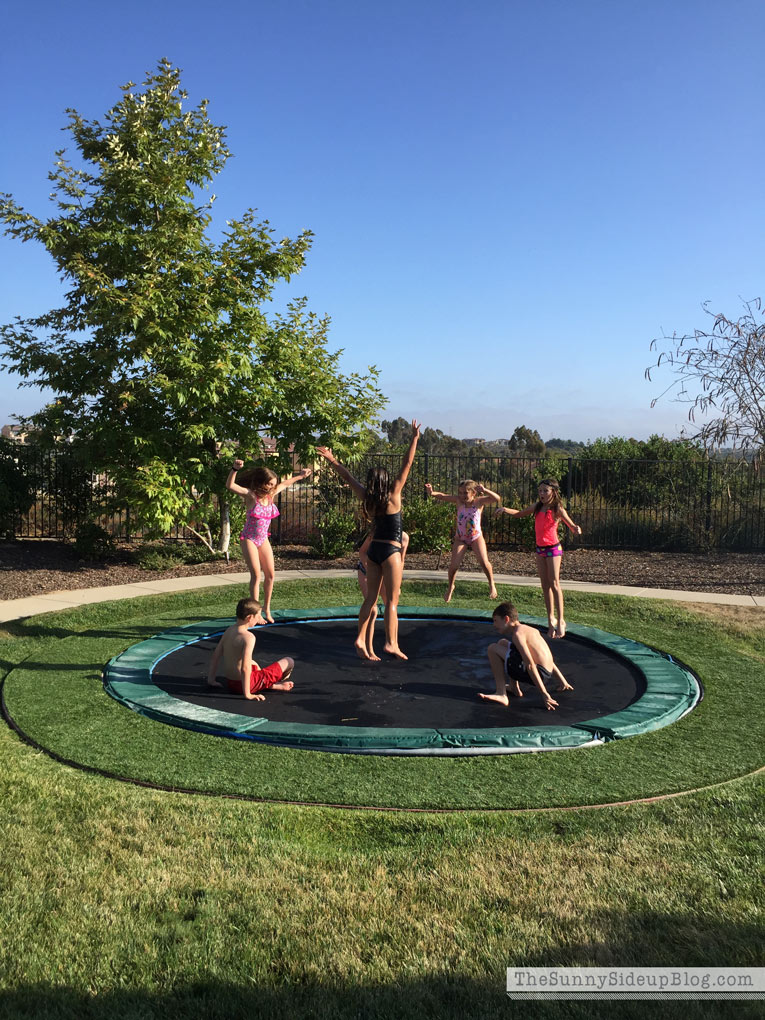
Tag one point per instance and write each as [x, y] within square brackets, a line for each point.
[437, 687]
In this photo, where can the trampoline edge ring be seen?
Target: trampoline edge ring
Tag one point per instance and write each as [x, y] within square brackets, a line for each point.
[671, 691]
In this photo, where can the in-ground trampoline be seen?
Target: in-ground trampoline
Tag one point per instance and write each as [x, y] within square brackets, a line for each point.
[427, 705]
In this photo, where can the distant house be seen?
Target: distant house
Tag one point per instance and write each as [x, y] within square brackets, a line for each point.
[269, 446]
[15, 433]
[18, 434]
[474, 442]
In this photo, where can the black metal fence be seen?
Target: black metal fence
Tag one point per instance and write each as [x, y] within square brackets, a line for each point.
[638, 504]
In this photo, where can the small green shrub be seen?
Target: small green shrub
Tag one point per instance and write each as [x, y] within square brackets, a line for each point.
[737, 533]
[92, 542]
[430, 524]
[15, 490]
[516, 532]
[170, 555]
[334, 534]
[630, 531]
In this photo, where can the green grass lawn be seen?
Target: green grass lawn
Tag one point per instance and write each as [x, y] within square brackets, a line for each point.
[119, 901]
[53, 692]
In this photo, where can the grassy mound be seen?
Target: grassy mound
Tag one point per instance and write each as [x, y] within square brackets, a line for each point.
[53, 692]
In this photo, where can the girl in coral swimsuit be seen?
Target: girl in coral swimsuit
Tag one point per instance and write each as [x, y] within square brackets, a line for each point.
[260, 488]
[471, 498]
[548, 512]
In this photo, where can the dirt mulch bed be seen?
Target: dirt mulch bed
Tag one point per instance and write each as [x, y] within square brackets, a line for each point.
[37, 568]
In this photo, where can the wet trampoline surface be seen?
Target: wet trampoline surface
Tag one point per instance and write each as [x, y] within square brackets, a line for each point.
[437, 686]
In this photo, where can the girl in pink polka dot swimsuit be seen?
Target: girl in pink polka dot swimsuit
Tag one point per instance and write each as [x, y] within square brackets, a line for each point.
[260, 488]
[471, 498]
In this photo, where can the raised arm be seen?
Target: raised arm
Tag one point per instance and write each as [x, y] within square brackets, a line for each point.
[341, 470]
[406, 465]
[442, 497]
[231, 484]
[299, 477]
[486, 496]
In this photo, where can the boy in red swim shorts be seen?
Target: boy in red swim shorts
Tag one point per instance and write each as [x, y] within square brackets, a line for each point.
[242, 673]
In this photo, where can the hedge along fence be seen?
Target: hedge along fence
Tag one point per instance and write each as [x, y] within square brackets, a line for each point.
[694, 505]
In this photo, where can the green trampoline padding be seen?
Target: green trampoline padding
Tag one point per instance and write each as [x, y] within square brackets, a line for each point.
[671, 690]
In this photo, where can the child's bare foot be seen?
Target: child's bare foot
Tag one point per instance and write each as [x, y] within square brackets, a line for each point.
[259, 621]
[516, 691]
[214, 683]
[361, 650]
[449, 593]
[501, 699]
[394, 650]
[283, 685]
[560, 630]
[552, 627]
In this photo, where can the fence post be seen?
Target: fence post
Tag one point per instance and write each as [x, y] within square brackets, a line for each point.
[278, 538]
[708, 515]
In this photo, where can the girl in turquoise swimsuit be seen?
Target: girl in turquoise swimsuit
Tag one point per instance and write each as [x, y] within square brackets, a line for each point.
[382, 506]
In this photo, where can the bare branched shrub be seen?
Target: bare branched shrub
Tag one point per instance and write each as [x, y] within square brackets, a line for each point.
[721, 374]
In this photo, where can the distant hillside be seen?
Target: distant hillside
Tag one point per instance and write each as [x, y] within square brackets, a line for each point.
[568, 446]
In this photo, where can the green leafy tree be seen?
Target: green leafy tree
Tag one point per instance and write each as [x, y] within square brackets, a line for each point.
[162, 356]
[526, 442]
[436, 441]
[398, 432]
[564, 447]
[653, 473]
[654, 448]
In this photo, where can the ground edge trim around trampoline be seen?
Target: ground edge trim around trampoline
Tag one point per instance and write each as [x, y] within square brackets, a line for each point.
[672, 690]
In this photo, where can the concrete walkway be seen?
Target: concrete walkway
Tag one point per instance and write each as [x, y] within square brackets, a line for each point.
[16, 609]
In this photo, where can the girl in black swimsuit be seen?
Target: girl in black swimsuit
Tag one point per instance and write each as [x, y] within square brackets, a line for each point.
[382, 506]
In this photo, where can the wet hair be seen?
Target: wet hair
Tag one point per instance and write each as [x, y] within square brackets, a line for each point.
[256, 479]
[555, 502]
[377, 492]
[506, 609]
[247, 607]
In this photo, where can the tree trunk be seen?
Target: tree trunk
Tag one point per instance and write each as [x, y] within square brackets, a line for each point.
[225, 528]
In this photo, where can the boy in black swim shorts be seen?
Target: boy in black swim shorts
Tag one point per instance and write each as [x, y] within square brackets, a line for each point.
[522, 654]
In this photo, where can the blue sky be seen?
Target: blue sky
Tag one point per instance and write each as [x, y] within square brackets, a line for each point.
[510, 200]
